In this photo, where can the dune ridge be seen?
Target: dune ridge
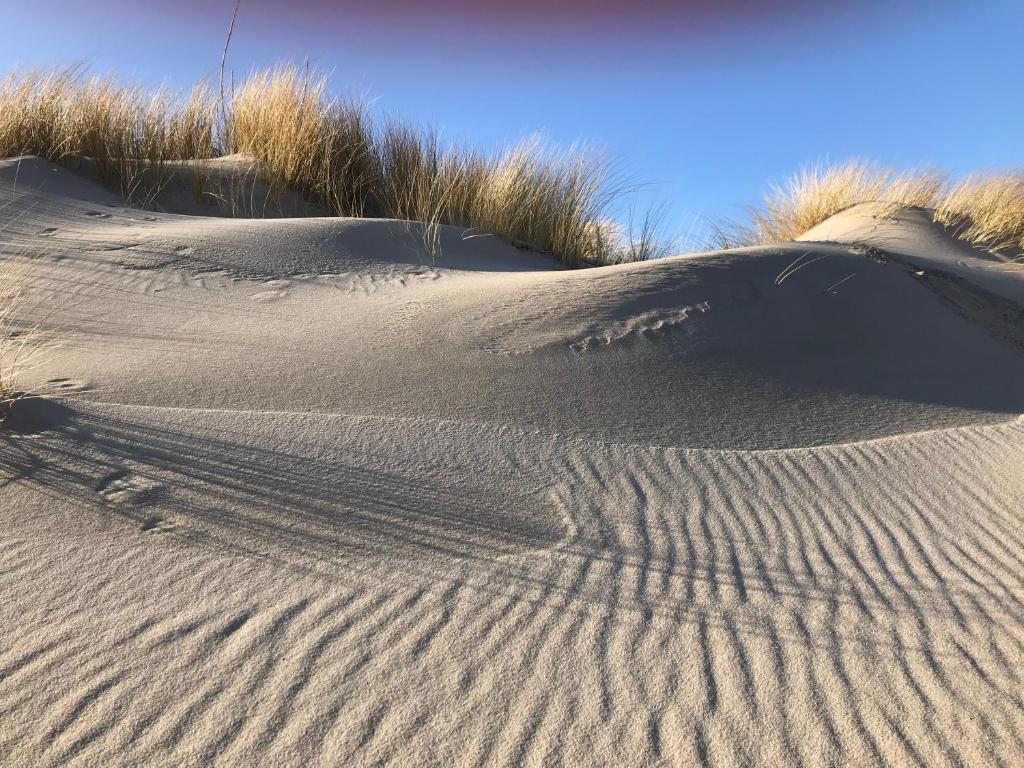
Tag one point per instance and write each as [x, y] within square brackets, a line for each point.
[285, 505]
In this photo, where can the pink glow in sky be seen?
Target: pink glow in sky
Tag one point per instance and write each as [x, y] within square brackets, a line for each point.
[471, 21]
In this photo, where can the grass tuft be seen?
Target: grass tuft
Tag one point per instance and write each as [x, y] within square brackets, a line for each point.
[21, 348]
[815, 194]
[987, 211]
[128, 133]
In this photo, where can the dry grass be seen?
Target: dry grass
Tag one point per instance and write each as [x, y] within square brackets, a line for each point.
[331, 151]
[529, 194]
[984, 210]
[813, 195]
[325, 148]
[302, 138]
[129, 134]
[21, 348]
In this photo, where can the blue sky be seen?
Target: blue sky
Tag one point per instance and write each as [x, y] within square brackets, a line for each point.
[707, 103]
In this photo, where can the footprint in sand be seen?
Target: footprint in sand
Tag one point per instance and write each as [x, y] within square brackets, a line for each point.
[98, 214]
[47, 232]
[157, 524]
[65, 385]
[123, 488]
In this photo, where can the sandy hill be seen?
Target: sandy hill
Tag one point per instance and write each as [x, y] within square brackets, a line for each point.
[310, 495]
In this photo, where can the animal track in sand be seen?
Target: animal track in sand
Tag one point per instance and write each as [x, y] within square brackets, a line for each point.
[98, 214]
[124, 487]
[653, 321]
[65, 385]
[157, 524]
[47, 232]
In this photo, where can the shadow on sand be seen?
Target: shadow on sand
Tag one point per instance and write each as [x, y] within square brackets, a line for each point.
[258, 499]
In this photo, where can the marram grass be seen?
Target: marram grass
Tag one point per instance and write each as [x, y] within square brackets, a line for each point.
[327, 149]
[985, 210]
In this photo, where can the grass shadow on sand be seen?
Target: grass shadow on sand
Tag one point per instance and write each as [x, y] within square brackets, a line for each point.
[258, 499]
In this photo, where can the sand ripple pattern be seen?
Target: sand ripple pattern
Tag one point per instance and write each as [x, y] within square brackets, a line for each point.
[855, 604]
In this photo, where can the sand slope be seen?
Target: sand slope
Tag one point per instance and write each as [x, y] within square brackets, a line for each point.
[311, 497]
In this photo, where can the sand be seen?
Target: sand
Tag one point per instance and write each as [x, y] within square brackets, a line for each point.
[301, 494]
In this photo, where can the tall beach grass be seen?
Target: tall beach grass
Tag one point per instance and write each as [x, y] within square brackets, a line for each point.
[815, 194]
[987, 211]
[331, 151]
[328, 149]
[130, 134]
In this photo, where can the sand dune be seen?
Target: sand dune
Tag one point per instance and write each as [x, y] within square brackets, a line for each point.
[309, 496]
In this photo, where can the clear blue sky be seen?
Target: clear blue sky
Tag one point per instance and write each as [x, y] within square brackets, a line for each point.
[708, 102]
